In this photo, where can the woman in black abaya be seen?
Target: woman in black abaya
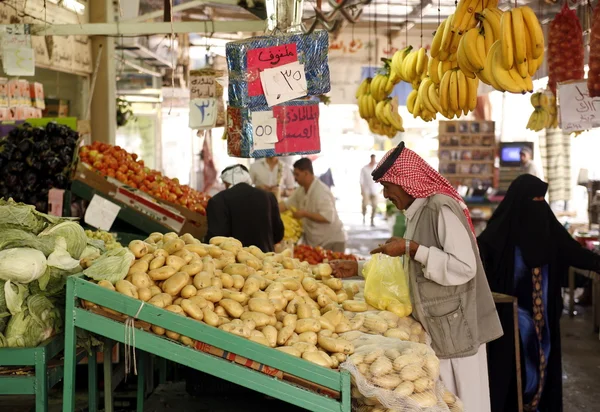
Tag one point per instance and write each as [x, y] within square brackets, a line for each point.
[526, 253]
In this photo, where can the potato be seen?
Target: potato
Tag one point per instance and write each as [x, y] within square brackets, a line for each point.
[126, 288]
[191, 309]
[200, 301]
[284, 334]
[338, 346]
[162, 273]
[424, 399]
[318, 358]
[423, 384]
[343, 327]
[376, 324]
[270, 334]
[324, 270]
[386, 381]
[155, 290]
[304, 311]
[178, 301]
[216, 282]
[397, 333]
[186, 255]
[139, 266]
[208, 264]
[141, 280]
[259, 339]
[292, 306]
[381, 366]
[139, 248]
[175, 283]
[326, 324]
[290, 350]
[449, 398]
[432, 366]
[200, 250]
[144, 294]
[154, 237]
[106, 285]
[261, 305]
[233, 308]
[354, 306]
[251, 285]
[305, 347]
[187, 341]
[240, 297]
[161, 253]
[333, 283]
[235, 329]
[218, 240]
[412, 372]
[226, 280]
[175, 262]
[192, 268]
[219, 310]
[187, 238]
[407, 359]
[307, 325]
[238, 281]
[173, 246]
[188, 291]
[292, 340]
[291, 283]
[372, 356]
[308, 337]
[210, 317]
[158, 330]
[278, 301]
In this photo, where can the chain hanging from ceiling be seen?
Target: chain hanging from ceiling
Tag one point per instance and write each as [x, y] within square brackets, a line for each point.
[342, 11]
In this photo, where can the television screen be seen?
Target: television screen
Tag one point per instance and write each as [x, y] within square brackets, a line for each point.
[510, 154]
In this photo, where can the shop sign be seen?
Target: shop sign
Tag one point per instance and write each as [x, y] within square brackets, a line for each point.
[578, 111]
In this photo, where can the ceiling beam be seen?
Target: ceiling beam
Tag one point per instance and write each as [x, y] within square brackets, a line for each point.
[180, 7]
[146, 29]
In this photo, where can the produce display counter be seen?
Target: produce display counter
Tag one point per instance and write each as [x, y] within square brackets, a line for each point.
[272, 373]
[39, 369]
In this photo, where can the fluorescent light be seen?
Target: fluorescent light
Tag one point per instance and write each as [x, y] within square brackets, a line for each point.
[72, 5]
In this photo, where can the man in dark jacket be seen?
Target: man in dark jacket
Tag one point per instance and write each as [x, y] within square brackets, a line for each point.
[246, 213]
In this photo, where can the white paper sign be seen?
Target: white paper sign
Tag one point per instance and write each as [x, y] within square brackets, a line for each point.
[16, 35]
[101, 213]
[18, 61]
[578, 111]
[264, 130]
[203, 87]
[203, 113]
[284, 83]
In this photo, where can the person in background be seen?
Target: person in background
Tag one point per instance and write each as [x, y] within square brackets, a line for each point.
[526, 253]
[527, 165]
[369, 190]
[244, 212]
[314, 203]
[272, 175]
[448, 287]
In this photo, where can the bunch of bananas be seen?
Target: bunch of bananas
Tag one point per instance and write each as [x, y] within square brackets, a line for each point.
[545, 113]
[292, 227]
[516, 56]
[410, 66]
[110, 242]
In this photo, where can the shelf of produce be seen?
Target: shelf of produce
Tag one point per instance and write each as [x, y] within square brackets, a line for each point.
[39, 370]
[131, 216]
[298, 371]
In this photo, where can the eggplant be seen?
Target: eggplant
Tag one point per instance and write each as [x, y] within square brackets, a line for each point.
[41, 146]
[30, 178]
[14, 166]
[24, 146]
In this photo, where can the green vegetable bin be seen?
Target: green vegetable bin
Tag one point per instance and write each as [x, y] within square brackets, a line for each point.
[77, 317]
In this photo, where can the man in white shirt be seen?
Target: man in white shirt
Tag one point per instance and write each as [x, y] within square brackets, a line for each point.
[369, 190]
[315, 205]
[527, 165]
[272, 175]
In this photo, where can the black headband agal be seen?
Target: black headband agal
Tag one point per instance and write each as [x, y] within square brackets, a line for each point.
[228, 168]
[385, 166]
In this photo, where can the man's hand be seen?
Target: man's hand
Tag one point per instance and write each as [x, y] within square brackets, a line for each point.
[300, 213]
[393, 239]
[393, 247]
[344, 268]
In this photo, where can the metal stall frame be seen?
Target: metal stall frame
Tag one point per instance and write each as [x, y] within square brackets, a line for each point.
[77, 317]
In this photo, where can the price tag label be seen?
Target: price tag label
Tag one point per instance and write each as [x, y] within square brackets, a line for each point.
[16, 35]
[101, 213]
[284, 83]
[203, 113]
[203, 87]
[264, 130]
[18, 61]
[578, 111]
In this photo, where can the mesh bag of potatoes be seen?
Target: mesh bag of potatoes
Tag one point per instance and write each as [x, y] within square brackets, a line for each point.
[386, 286]
[392, 375]
[388, 324]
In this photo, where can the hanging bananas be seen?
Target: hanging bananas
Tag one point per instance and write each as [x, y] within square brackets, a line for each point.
[545, 113]
[374, 105]
[457, 94]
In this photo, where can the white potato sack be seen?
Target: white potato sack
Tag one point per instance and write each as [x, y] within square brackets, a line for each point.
[396, 375]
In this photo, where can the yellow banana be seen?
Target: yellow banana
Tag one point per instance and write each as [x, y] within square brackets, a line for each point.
[488, 35]
[447, 36]
[392, 116]
[434, 99]
[528, 83]
[379, 113]
[418, 107]
[412, 66]
[535, 31]
[362, 89]
[473, 85]
[535, 99]
[528, 47]
[468, 20]
[422, 60]
[518, 28]
[456, 37]
[514, 74]
[437, 40]
[463, 90]
[471, 50]
[459, 13]
[361, 107]
[489, 63]
[502, 76]
[507, 41]
[424, 95]
[463, 63]
[453, 91]
[371, 103]
[410, 101]
[493, 20]
[523, 69]
[374, 85]
[388, 86]
[432, 70]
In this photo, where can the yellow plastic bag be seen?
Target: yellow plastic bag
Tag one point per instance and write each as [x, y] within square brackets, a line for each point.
[386, 286]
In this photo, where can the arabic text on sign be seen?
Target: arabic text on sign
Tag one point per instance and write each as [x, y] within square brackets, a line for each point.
[265, 58]
[202, 87]
[297, 128]
[284, 83]
[578, 111]
[203, 113]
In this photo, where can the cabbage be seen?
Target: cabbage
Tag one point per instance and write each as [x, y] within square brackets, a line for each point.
[90, 253]
[15, 297]
[74, 235]
[22, 265]
[112, 266]
[25, 217]
[13, 238]
[39, 321]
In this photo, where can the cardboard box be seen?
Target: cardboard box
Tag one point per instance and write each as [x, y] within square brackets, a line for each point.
[14, 93]
[3, 92]
[56, 108]
[173, 217]
[36, 92]
[24, 92]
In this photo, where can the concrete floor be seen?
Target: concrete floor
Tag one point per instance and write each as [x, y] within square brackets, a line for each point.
[581, 360]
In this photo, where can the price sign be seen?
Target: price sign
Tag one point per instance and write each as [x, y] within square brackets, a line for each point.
[18, 61]
[284, 83]
[264, 130]
[578, 111]
[16, 35]
[203, 113]
[101, 213]
[203, 87]
[298, 128]
[267, 58]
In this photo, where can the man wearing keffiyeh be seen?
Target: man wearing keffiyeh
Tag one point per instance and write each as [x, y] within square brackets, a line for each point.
[448, 286]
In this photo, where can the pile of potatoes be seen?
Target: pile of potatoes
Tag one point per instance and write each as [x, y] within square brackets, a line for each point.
[404, 374]
[390, 325]
[267, 298]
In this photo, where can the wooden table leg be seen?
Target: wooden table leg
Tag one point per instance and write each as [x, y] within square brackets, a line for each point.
[518, 354]
[108, 396]
[93, 381]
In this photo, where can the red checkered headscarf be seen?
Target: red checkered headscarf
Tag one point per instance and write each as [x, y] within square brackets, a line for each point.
[418, 179]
